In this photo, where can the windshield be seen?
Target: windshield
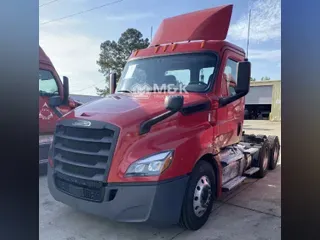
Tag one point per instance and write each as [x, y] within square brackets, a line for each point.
[193, 72]
[47, 84]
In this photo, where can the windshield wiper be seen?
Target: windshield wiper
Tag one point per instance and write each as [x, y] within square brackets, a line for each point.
[46, 94]
[125, 91]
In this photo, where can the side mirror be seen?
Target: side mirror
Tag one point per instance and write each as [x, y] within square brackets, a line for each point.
[243, 83]
[113, 83]
[55, 101]
[65, 89]
[171, 103]
[243, 77]
[174, 103]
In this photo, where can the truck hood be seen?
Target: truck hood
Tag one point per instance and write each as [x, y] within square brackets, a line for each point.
[127, 109]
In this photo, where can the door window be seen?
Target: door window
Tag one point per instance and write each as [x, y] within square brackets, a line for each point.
[231, 70]
[47, 84]
[232, 90]
[231, 76]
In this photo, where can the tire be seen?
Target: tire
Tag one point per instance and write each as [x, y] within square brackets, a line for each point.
[189, 218]
[43, 168]
[274, 151]
[246, 114]
[263, 159]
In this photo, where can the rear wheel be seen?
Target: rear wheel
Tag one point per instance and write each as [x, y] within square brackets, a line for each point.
[263, 159]
[199, 197]
[274, 151]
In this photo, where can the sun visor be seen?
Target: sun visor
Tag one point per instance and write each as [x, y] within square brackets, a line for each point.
[208, 24]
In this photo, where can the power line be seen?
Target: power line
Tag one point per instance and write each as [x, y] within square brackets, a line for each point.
[89, 86]
[47, 3]
[81, 12]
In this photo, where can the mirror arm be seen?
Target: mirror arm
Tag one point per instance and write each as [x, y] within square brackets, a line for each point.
[55, 101]
[173, 105]
[146, 126]
[226, 100]
[242, 93]
[65, 101]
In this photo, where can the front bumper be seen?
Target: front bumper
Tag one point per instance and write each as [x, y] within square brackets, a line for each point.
[44, 146]
[43, 153]
[158, 203]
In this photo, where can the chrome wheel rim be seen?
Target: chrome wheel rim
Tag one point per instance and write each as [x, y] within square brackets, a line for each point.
[202, 196]
[265, 162]
[275, 154]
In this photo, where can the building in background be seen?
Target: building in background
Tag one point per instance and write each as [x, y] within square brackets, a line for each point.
[264, 100]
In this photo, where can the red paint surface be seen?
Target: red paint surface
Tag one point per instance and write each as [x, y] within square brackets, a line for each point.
[208, 24]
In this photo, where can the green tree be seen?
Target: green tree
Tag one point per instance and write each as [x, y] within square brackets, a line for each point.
[265, 78]
[113, 55]
[252, 79]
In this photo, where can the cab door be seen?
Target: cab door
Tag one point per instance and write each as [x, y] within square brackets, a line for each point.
[230, 116]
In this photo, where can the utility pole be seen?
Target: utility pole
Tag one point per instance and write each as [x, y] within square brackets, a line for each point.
[151, 34]
[249, 19]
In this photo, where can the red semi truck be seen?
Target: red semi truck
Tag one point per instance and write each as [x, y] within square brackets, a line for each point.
[54, 101]
[164, 156]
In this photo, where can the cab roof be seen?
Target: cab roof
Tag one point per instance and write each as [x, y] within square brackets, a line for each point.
[43, 57]
[192, 32]
[216, 46]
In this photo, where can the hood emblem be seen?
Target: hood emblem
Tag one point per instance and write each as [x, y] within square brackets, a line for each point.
[82, 123]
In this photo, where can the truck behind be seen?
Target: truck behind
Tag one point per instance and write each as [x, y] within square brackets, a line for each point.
[54, 101]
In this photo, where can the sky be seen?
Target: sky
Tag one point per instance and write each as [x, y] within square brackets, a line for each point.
[73, 44]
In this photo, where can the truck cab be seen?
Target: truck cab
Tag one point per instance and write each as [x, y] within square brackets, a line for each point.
[168, 140]
[54, 102]
[54, 98]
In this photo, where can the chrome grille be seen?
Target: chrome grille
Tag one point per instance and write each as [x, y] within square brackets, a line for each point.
[84, 152]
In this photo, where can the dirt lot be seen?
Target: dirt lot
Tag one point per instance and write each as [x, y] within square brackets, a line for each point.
[251, 212]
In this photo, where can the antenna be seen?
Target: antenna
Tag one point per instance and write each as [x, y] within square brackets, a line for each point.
[249, 19]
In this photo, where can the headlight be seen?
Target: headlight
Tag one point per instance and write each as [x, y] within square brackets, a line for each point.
[152, 165]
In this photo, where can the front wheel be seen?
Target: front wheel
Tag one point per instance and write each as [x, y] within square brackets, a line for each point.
[199, 197]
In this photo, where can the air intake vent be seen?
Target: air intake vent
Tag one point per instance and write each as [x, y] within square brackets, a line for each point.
[83, 153]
